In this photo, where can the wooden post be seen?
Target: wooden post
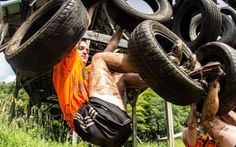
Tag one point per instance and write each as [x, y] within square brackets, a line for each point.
[170, 127]
[74, 137]
[134, 98]
[134, 122]
[15, 95]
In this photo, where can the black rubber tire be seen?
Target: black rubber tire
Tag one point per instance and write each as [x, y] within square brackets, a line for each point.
[128, 18]
[229, 11]
[89, 3]
[215, 1]
[47, 36]
[148, 46]
[210, 24]
[227, 33]
[232, 3]
[226, 55]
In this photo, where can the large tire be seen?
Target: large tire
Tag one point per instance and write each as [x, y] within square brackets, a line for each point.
[89, 3]
[229, 11]
[232, 3]
[210, 24]
[128, 18]
[47, 36]
[148, 47]
[226, 55]
[228, 30]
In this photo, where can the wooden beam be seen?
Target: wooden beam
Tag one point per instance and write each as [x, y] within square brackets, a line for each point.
[134, 136]
[103, 38]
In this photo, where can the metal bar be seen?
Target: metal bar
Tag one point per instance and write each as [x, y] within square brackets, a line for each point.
[175, 136]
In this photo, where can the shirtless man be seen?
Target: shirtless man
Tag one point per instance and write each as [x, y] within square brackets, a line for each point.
[92, 98]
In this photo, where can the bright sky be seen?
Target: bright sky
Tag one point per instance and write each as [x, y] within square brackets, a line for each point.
[6, 72]
[141, 6]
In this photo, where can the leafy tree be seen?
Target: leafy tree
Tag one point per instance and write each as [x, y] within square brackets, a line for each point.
[6, 90]
[151, 116]
[40, 124]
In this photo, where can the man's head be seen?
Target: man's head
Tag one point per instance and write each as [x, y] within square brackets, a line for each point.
[83, 50]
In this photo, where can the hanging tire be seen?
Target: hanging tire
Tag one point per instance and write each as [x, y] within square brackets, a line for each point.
[47, 36]
[148, 47]
[89, 3]
[226, 55]
[232, 3]
[210, 24]
[227, 33]
[229, 11]
[128, 18]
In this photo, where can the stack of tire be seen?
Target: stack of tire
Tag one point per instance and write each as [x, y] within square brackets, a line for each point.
[196, 26]
[201, 27]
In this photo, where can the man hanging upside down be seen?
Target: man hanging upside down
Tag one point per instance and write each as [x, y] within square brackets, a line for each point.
[92, 98]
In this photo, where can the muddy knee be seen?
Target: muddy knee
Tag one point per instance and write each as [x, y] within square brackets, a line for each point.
[97, 56]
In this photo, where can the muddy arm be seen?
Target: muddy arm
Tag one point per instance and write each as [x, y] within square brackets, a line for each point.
[133, 80]
[210, 123]
[115, 39]
[192, 126]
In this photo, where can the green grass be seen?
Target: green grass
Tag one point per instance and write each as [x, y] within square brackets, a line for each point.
[17, 137]
[23, 133]
[178, 143]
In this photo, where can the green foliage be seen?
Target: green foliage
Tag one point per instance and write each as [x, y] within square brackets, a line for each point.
[40, 124]
[178, 143]
[35, 131]
[180, 117]
[6, 90]
[151, 116]
[42, 129]
[16, 137]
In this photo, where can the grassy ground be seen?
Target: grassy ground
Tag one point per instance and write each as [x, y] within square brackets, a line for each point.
[178, 143]
[17, 137]
[19, 134]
